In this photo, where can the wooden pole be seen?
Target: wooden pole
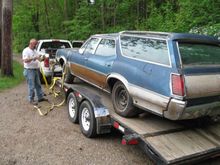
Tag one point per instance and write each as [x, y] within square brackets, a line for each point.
[0, 32]
[6, 63]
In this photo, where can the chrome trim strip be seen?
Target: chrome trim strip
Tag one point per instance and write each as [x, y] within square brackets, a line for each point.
[178, 50]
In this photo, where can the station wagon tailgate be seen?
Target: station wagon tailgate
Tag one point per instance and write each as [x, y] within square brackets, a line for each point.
[201, 67]
[200, 81]
[202, 85]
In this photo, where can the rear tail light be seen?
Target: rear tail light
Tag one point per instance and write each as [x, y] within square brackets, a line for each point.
[177, 84]
[46, 62]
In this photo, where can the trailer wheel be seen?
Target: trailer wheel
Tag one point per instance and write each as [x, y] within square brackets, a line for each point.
[87, 119]
[122, 101]
[72, 107]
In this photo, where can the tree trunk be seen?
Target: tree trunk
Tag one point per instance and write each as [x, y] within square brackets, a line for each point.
[65, 10]
[0, 32]
[6, 63]
[47, 19]
[35, 18]
[103, 14]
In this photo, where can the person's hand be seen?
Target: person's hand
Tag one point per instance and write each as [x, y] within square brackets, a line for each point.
[41, 57]
[35, 58]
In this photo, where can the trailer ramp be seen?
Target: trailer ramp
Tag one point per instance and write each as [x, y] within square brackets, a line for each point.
[175, 142]
[166, 141]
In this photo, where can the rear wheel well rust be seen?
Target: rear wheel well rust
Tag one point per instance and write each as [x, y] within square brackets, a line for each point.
[111, 83]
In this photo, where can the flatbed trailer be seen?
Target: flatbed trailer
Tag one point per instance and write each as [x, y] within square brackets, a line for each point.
[165, 141]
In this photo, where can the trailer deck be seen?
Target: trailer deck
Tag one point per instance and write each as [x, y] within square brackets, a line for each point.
[166, 141]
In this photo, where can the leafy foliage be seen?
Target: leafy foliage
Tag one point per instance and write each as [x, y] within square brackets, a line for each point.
[9, 82]
[77, 19]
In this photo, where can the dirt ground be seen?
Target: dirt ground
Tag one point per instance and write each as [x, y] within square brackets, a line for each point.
[28, 138]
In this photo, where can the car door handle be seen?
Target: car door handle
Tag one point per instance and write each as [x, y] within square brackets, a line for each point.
[85, 58]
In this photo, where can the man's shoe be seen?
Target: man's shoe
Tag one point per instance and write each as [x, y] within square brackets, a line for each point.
[33, 102]
[42, 99]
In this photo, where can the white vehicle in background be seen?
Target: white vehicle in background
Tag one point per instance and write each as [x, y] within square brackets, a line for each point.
[48, 48]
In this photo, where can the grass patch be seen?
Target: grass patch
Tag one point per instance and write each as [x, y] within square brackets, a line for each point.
[10, 82]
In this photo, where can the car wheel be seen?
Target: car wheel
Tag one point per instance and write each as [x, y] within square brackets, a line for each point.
[68, 77]
[122, 101]
[87, 120]
[72, 107]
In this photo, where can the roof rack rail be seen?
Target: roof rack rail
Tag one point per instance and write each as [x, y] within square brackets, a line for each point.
[144, 32]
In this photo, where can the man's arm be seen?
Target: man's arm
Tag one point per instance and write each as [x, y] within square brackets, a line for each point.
[27, 60]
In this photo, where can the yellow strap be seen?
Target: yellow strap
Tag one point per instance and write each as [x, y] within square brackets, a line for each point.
[44, 77]
[51, 88]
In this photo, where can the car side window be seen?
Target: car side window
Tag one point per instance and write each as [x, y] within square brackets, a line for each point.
[151, 50]
[91, 45]
[106, 48]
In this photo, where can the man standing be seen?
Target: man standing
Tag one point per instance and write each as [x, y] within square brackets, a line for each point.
[31, 67]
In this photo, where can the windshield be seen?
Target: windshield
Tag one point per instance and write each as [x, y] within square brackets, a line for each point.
[55, 45]
[199, 54]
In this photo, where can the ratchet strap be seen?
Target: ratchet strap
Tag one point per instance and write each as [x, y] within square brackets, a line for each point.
[52, 91]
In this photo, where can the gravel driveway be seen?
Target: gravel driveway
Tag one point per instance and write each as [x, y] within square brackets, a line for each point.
[26, 138]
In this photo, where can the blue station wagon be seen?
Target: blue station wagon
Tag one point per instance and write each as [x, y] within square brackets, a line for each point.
[173, 75]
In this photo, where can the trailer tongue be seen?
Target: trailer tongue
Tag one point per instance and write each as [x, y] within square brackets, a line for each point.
[165, 141]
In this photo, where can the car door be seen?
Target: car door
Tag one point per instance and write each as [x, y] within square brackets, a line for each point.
[100, 63]
[79, 62]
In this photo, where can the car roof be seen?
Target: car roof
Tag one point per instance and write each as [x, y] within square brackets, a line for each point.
[108, 35]
[53, 40]
[174, 36]
[187, 37]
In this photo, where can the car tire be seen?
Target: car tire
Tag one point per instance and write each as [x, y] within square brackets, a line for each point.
[68, 77]
[72, 107]
[122, 101]
[87, 119]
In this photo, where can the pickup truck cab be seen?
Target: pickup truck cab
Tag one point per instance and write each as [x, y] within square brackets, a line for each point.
[173, 75]
[48, 48]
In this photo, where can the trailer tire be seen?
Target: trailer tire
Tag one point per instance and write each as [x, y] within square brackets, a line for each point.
[72, 107]
[87, 119]
[122, 101]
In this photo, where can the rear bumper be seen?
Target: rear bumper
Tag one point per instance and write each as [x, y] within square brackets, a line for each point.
[48, 72]
[177, 110]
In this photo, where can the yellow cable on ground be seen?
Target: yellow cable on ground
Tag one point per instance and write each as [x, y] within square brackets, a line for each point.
[51, 88]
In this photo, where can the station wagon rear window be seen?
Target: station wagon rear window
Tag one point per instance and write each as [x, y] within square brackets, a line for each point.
[199, 54]
[146, 49]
